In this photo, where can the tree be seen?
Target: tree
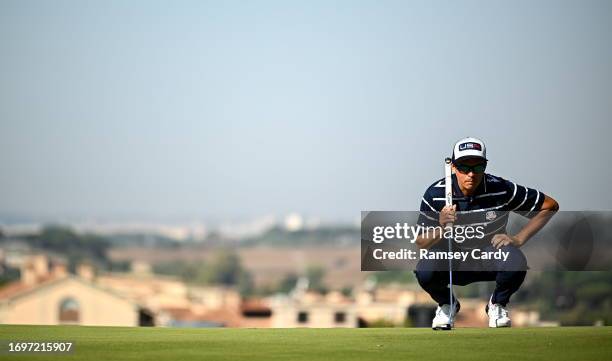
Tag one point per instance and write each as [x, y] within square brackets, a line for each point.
[76, 247]
[226, 269]
[315, 275]
[287, 284]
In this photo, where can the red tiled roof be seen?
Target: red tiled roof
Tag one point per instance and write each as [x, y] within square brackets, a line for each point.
[254, 305]
[17, 287]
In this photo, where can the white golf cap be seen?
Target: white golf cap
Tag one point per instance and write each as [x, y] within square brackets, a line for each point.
[469, 148]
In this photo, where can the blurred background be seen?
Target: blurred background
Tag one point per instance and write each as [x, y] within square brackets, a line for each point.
[205, 163]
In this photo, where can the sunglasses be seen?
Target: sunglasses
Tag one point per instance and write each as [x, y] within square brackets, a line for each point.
[477, 169]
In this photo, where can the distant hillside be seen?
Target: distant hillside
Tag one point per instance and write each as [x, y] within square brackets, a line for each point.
[337, 236]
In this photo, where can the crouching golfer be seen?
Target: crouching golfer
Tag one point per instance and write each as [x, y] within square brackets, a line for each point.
[485, 200]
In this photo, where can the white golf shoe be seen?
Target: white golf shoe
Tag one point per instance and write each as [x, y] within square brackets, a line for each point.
[498, 315]
[442, 320]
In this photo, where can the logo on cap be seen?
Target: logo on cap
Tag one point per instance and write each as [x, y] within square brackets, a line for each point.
[470, 145]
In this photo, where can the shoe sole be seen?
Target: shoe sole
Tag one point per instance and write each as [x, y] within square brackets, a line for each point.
[503, 326]
[442, 328]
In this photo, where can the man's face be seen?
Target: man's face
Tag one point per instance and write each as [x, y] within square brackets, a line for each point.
[468, 177]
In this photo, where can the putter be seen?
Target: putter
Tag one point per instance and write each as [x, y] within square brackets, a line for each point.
[448, 195]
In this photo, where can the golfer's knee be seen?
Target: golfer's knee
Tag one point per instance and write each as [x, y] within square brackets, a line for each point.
[512, 279]
[425, 278]
[515, 261]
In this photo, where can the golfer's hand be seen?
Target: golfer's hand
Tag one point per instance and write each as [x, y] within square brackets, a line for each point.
[448, 215]
[500, 240]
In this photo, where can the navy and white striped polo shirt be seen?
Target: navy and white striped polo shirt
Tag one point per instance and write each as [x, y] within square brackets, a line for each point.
[490, 206]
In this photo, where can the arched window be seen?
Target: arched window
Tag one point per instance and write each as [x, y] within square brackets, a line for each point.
[69, 311]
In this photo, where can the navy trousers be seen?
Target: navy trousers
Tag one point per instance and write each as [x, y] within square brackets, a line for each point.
[508, 275]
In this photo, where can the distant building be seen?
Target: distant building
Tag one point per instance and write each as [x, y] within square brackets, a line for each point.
[313, 310]
[153, 291]
[392, 305]
[52, 297]
[46, 294]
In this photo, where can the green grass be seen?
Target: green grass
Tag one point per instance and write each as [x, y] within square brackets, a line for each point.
[119, 343]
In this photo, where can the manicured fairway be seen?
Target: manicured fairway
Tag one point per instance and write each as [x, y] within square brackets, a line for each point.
[118, 343]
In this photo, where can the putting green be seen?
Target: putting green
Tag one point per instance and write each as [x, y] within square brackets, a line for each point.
[119, 343]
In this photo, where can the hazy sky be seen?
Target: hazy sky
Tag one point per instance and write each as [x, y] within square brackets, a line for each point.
[229, 109]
